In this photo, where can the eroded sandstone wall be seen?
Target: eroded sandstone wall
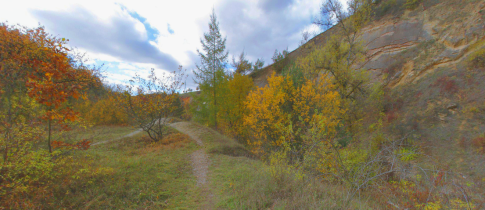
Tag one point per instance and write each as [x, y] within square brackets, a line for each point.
[404, 49]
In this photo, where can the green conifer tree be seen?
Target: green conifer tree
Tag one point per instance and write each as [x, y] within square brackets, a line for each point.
[210, 72]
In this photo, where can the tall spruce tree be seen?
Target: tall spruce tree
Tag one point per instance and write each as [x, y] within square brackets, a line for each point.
[210, 73]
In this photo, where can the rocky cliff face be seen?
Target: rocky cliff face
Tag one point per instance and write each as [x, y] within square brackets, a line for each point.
[424, 40]
[411, 45]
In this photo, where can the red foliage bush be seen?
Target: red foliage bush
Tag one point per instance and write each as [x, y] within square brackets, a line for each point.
[479, 143]
[446, 85]
[392, 108]
[419, 94]
[81, 145]
[462, 142]
[391, 116]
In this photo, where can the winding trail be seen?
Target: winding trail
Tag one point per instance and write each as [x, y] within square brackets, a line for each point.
[119, 138]
[130, 134]
[200, 161]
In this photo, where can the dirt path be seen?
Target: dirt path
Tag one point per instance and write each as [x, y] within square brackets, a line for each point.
[200, 161]
[125, 136]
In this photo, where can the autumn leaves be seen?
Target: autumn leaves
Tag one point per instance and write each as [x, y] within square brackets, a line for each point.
[40, 78]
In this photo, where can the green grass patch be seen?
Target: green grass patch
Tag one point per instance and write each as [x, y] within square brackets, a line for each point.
[94, 134]
[216, 143]
[243, 183]
[477, 59]
[146, 175]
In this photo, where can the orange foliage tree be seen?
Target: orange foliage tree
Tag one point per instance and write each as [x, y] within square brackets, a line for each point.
[16, 49]
[37, 64]
[38, 79]
[55, 80]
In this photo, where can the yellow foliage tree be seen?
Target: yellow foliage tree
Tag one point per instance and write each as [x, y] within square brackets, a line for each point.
[265, 112]
[283, 113]
[233, 108]
[105, 111]
[333, 59]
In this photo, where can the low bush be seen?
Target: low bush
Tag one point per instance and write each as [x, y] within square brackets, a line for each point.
[105, 111]
[388, 7]
[36, 179]
[477, 59]
[446, 85]
[280, 60]
[479, 143]
[412, 4]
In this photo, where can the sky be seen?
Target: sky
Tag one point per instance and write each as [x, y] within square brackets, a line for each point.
[132, 36]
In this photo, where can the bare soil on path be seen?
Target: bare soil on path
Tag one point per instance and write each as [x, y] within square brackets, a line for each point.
[200, 160]
[125, 136]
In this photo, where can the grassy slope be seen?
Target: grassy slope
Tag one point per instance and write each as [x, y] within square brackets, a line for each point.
[97, 133]
[145, 175]
[240, 181]
[159, 176]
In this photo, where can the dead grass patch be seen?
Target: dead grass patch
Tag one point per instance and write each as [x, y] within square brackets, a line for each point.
[170, 141]
[479, 143]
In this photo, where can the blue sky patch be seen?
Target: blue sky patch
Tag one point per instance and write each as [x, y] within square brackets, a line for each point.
[169, 29]
[152, 33]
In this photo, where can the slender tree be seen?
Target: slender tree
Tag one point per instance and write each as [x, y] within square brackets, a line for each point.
[343, 54]
[242, 65]
[213, 57]
[151, 102]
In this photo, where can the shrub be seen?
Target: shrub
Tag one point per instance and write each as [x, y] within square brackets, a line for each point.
[412, 4]
[280, 60]
[446, 85]
[104, 112]
[393, 68]
[186, 102]
[36, 179]
[386, 7]
[391, 116]
[477, 59]
[479, 143]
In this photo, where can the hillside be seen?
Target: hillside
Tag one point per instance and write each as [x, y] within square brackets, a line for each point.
[422, 57]
[433, 92]
[407, 45]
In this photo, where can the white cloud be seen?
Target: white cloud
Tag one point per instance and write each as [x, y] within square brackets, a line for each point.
[257, 26]
[122, 66]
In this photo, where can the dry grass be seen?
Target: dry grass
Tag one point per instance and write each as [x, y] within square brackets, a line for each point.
[172, 141]
[479, 144]
[94, 134]
[144, 175]
[243, 183]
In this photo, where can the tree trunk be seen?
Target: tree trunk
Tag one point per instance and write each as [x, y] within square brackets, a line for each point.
[215, 106]
[5, 152]
[215, 82]
[49, 137]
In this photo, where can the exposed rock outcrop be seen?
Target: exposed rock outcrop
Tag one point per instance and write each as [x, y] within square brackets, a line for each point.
[421, 40]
